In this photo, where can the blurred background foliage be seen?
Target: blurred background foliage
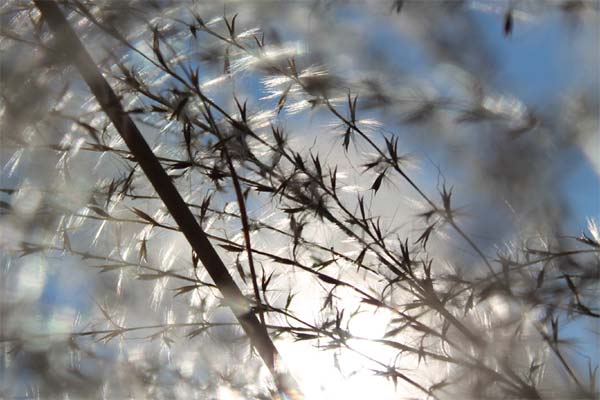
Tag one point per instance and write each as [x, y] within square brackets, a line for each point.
[421, 180]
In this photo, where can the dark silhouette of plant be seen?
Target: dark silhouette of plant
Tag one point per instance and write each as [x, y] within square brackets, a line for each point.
[296, 167]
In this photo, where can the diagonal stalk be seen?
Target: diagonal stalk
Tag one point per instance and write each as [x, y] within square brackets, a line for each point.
[243, 214]
[163, 185]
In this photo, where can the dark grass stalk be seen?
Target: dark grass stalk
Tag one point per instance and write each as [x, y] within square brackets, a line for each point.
[243, 214]
[163, 185]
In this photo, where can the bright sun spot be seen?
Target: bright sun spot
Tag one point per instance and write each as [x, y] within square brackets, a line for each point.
[344, 373]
